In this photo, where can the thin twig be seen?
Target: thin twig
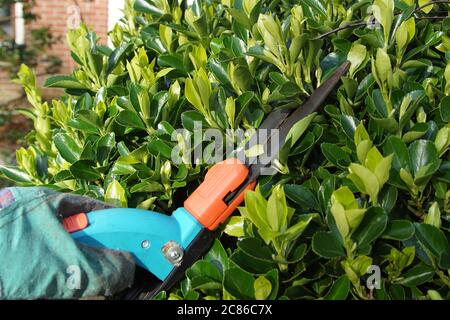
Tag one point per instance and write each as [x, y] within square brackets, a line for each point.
[361, 24]
[431, 3]
[353, 25]
[430, 17]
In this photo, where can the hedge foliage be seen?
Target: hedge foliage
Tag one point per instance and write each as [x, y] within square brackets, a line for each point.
[359, 205]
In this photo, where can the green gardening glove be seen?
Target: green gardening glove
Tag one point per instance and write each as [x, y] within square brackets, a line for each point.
[40, 260]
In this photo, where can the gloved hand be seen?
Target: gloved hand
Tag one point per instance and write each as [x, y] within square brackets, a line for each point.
[40, 260]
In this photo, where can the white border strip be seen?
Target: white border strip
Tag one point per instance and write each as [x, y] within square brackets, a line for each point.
[19, 27]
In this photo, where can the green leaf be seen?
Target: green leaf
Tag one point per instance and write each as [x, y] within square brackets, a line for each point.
[357, 55]
[235, 227]
[335, 155]
[64, 82]
[428, 8]
[14, 174]
[174, 61]
[256, 249]
[273, 276]
[117, 56]
[394, 145]
[87, 121]
[147, 186]
[299, 227]
[130, 119]
[383, 64]
[383, 10]
[340, 289]
[158, 147]
[263, 288]
[388, 198]
[326, 245]
[416, 276]
[105, 145]
[147, 6]
[444, 108]
[115, 195]
[299, 129]
[372, 226]
[218, 256]
[422, 153]
[67, 147]
[301, 195]
[435, 241]
[316, 6]
[277, 210]
[251, 264]
[219, 72]
[400, 230]
[239, 284]
[190, 118]
[365, 180]
[204, 275]
[255, 210]
[84, 170]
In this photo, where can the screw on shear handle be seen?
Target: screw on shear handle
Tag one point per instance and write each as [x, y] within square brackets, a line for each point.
[173, 252]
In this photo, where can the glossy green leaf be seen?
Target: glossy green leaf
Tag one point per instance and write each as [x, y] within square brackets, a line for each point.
[130, 119]
[14, 174]
[335, 155]
[67, 147]
[84, 170]
[339, 290]
[372, 226]
[417, 276]
[301, 195]
[326, 245]
[235, 227]
[63, 82]
[239, 284]
[115, 195]
[400, 230]
[218, 256]
[435, 241]
[263, 288]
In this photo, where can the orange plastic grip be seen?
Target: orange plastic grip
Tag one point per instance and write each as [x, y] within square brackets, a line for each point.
[206, 203]
[76, 223]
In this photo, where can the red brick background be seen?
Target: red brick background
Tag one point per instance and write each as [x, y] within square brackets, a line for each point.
[61, 15]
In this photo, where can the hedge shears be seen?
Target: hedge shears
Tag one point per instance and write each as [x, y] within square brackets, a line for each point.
[166, 246]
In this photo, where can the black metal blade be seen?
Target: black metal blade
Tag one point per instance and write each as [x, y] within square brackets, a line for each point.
[148, 286]
[313, 103]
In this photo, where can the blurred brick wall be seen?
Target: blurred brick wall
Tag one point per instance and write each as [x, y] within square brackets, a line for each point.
[62, 15]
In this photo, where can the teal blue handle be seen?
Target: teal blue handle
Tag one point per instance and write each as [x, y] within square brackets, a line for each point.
[142, 233]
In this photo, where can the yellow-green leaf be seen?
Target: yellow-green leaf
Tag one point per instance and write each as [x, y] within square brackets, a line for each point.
[373, 158]
[166, 36]
[383, 66]
[354, 217]
[193, 96]
[383, 10]
[338, 212]
[434, 216]
[368, 178]
[356, 56]
[115, 195]
[382, 170]
[426, 9]
[230, 110]
[235, 227]
[263, 288]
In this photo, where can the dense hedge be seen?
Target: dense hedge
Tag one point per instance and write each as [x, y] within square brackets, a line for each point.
[362, 192]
